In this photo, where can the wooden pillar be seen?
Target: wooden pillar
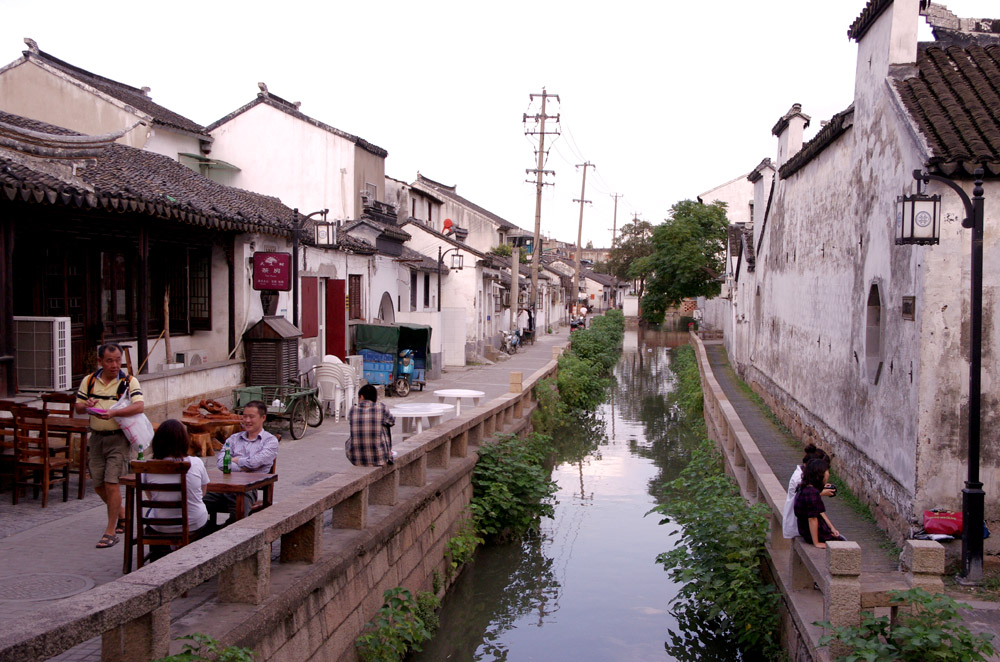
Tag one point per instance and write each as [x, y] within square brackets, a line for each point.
[7, 340]
[142, 300]
[230, 248]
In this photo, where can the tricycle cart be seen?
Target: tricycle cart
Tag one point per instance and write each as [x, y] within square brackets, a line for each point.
[397, 355]
[296, 404]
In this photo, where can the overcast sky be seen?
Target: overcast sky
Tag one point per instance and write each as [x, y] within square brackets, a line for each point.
[668, 99]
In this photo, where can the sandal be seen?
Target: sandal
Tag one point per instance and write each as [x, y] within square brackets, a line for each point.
[120, 527]
[107, 541]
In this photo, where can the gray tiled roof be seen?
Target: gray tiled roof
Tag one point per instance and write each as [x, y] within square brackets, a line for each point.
[450, 192]
[132, 96]
[124, 179]
[954, 101]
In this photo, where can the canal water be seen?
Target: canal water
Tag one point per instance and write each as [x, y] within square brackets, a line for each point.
[588, 586]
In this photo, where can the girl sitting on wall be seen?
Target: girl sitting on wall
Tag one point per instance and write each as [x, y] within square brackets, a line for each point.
[814, 525]
[789, 525]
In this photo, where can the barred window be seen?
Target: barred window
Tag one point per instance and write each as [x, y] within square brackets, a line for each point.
[354, 296]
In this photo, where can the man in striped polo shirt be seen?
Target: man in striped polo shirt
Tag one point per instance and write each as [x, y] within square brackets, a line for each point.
[109, 449]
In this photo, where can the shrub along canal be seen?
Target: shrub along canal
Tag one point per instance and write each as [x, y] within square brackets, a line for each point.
[587, 586]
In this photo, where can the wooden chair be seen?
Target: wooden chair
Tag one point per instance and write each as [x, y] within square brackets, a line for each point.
[167, 495]
[33, 457]
[61, 443]
[267, 498]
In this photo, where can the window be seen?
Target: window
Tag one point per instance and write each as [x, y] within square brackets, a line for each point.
[188, 274]
[117, 298]
[371, 192]
[873, 335]
[354, 297]
[413, 207]
[427, 290]
[413, 290]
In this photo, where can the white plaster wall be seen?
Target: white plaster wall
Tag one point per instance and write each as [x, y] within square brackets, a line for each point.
[384, 279]
[737, 194]
[306, 167]
[171, 144]
[31, 91]
[483, 232]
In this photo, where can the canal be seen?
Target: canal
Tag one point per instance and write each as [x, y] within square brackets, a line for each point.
[588, 587]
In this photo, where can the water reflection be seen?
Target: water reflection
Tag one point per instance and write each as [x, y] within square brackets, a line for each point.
[587, 587]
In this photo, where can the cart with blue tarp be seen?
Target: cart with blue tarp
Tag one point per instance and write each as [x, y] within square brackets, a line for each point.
[383, 348]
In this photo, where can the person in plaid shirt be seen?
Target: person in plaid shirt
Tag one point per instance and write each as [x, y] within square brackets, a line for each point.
[369, 444]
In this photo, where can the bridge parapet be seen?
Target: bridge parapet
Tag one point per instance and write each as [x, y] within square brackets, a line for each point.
[343, 541]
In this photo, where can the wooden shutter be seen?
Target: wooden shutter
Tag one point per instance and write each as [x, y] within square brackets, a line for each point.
[354, 297]
[310, 306]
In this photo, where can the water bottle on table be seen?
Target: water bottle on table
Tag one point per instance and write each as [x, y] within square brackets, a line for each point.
[226, 459]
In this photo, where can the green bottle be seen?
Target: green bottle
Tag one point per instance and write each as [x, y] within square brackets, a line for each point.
[140, 454]
[226, 459]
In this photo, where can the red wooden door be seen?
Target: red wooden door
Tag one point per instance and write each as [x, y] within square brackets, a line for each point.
[336, 318]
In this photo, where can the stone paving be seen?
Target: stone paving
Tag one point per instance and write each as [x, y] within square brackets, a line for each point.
[61, 539]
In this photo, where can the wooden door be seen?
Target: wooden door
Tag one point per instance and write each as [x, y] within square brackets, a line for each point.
[336, 318]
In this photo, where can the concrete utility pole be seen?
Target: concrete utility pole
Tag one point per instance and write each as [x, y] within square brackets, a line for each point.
[579, 234]
[536, 252]
[515, 286]
[614, 223]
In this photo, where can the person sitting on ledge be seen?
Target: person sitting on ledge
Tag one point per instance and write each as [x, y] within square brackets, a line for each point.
[370, 443]
[814, 526]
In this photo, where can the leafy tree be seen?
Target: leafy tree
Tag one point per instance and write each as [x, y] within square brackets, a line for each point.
[631, 244]
[688, 254]
[590, 245]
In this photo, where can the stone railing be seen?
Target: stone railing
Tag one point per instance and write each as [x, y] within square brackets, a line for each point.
[798, 567]
[363, 525]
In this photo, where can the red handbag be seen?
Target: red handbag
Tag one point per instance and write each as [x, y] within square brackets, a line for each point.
[942, 521]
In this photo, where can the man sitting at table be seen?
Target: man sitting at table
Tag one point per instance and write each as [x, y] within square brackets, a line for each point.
[253, 450]
[370, 443]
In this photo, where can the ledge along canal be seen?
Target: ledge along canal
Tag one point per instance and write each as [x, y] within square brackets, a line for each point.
[588, 586]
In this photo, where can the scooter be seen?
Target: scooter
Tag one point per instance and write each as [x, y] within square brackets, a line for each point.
[509, 342]
[404, 373]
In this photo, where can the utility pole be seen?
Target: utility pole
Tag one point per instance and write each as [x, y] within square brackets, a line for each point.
[579, 233]
[614, 223]
[536, 251]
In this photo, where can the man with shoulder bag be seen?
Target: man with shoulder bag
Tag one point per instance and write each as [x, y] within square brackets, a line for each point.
[109, 450]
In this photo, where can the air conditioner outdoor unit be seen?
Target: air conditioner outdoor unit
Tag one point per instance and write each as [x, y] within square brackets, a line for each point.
[191, 357]
[43, 357]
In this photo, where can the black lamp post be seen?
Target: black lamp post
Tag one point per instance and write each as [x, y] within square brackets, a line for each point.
[973, 497]
[457, 261]
[297, 225]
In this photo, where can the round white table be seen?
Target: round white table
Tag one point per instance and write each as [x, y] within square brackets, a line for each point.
[418, 411]
[458, 394]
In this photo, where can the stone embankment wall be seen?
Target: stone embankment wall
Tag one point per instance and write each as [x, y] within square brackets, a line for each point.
[797, 569]
[299, 580]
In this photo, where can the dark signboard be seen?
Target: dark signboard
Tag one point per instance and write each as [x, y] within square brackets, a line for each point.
[272, 271]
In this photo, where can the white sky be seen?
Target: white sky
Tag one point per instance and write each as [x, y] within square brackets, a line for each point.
[668, 98]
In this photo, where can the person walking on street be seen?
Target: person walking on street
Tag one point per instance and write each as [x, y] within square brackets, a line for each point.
[109, 449]
[370, 443]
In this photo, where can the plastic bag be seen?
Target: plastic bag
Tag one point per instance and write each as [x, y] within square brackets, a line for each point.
[943, 522]
[137, 428]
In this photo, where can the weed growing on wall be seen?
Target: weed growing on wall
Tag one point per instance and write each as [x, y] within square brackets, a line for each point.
[201, 647]
[400, 626]
[511, 488]
[929, 628]
[462, 546]
[719, 556]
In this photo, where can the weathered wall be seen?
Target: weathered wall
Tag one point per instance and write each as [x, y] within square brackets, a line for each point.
[886, 394]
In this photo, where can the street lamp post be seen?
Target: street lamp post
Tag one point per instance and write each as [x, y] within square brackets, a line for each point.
[973, 496]
[457, 261]
[297, 225]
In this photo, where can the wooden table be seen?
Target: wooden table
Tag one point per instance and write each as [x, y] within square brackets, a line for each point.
[237, 482]
[196, 424]
[418, 411]
[458, 394]
[69, 425]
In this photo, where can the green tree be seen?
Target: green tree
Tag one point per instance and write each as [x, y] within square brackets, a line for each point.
[688, 253]
[631, 245]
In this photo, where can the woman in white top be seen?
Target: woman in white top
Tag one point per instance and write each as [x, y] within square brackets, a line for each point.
[789, 525]
[170, 442]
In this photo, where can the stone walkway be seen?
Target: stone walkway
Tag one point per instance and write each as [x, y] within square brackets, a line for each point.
[783, 453]
[56, 544]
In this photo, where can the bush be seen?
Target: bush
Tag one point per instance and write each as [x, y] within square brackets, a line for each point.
[581, 383]
[400, 626]
[205, 648]
[461, 547]
[929, 629]
[511, 488]
[687, 389]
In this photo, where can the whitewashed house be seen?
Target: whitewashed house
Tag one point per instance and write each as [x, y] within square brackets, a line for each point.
[859, 343]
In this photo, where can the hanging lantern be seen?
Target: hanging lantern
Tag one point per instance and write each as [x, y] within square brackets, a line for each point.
[918, 219]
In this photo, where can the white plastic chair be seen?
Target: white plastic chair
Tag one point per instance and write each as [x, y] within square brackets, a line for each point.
[331, 358]
[332, 388]
[350, 382]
